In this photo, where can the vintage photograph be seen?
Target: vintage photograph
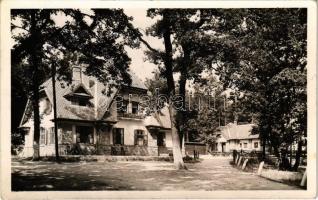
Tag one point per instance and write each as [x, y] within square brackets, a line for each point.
[159, 99]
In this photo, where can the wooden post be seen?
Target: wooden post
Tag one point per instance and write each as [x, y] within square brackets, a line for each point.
[304, 179]
[244, 164]
[237, 158]
[239, 162]
[57, 157]
[260, 168]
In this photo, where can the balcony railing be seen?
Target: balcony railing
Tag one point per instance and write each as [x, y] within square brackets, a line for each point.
[130, 115]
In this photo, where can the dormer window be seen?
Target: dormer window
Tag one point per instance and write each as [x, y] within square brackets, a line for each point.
[80, 101]
[79, 96]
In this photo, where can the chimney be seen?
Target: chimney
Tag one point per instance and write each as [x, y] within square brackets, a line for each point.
[235, 119]
[76, 75]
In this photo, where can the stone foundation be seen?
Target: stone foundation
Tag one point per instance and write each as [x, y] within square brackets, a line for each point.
[97, 149]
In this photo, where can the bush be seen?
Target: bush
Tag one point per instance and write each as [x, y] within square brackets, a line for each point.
[189, 159]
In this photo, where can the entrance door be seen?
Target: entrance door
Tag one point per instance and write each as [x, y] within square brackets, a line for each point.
[161, 142]
[118, 136]
[84, 134]
[223, 147]
[161, 139]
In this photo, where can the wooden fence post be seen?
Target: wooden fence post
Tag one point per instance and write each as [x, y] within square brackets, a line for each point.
[244, 164]
[304, 179]
[260, 168]
[237, 158]
[239, 162]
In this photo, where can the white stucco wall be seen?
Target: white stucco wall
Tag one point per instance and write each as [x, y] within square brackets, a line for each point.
[46, 122]
[235, 145]
[129, 126]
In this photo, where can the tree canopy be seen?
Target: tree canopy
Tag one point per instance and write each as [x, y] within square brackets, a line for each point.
[95, 39]
[268, 64]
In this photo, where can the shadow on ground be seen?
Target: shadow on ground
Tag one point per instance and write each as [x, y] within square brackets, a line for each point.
[210, 174]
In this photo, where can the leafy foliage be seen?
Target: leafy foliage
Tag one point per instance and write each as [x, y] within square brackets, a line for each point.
[94, 40]
[268, 64]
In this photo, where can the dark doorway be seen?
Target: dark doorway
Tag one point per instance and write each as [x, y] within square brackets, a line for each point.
[223, 146]
[84, 134]
[161, 139]
[118, 136]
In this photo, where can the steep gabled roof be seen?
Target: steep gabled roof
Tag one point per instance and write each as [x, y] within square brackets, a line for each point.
[237, 132]
[159, 119]
[99, 100]
[79, 90]
[136, 81]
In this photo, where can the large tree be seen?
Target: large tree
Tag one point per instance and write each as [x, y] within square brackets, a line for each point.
[97, 38]
[266, 60]
[191, 40]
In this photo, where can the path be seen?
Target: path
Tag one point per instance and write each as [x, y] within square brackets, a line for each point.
[211, 174]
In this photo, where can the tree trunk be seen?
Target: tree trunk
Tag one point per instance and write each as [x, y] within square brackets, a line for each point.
[177, 155]
[34, 62]
[182, 92]
[291, 155]
[176, 148]
[55, 114]
[264, 149]
[298, 155]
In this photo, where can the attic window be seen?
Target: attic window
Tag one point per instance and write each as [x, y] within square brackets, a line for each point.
[80, 90]
[82, 102]
[80, 96]
[79, 101]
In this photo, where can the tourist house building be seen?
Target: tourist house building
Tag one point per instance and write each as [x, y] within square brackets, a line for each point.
[238, 137]
[89, 120]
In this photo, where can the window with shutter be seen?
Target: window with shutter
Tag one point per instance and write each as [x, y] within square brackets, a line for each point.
[145, 140]
[141, 139]
[42, 135]
[52, 136]
[134, 107]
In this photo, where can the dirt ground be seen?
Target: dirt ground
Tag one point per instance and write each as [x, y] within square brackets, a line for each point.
[210, 174]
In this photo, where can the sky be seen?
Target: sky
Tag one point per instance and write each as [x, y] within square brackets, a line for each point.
[139, 65]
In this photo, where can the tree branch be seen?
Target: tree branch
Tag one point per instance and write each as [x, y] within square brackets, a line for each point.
[147, 44]
[15, 26]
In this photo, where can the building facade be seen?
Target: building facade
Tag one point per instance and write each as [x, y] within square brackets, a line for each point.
[237, 137]
[91, 120]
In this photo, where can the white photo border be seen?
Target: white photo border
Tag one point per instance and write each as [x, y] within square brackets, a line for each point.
[5, 84]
